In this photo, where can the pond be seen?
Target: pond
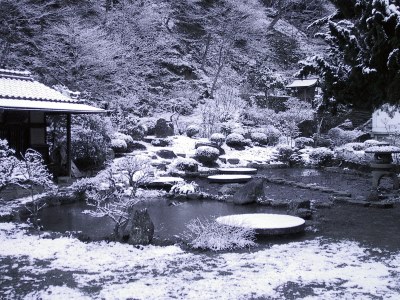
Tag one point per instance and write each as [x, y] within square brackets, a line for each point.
[370, 226]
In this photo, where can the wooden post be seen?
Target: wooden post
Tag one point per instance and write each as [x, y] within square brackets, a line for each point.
[69, 145]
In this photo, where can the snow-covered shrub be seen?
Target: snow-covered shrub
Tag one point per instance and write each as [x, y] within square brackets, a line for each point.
[340, 136]
[370, 143]
[82, 185]
[90, 141]
[321, 156]
[183, 164]
[192, 130]
[33, 176]
[210, 235]
[235, 140]
[148, 125]
[8, 164]
[217, 138]
[259, 137]
[127, 138]
[185, 188]
[206, 154]
[161, 142]
[272, 134]
[355, 146]
[227, 128]
[118, 145]
[352, 152]
[302, 142]
[284, 152]
[130, 125]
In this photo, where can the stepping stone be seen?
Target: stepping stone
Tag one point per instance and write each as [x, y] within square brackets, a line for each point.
[163, 182]
[265, 224]
[237, 170]
[229, 178]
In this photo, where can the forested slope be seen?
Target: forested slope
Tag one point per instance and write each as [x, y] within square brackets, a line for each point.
[149, 55]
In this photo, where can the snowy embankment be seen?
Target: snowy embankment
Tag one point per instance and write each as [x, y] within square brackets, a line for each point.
[316, 269]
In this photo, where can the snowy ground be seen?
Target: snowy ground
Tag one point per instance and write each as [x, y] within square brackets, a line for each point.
[65, 268]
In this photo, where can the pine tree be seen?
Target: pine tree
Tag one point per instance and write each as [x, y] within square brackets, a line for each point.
[362, 67]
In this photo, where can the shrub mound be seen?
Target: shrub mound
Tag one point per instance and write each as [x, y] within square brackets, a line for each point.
[119, 146]
[206, 154]
[217, 138]
[192, 130]
[235, 140]
[321, 156]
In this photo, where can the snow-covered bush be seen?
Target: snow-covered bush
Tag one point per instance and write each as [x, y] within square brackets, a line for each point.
[206, 154]
[321, 156]
[352, 152]
[185, 188]
[259, 137]
[160, 142]
[302, 142]
[90, 141]
[127, 138]
[183, 164]
[8, 164]
[192, 130]
[272, 134]
[217, 138]
[33, 176]
[370, 143]
[118, 145]
[284, 152]
[210, 235]
[340, 136]
[355, 146]
[235, 140]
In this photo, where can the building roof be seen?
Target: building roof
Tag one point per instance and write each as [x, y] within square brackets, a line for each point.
[19, 91]
[303, 83]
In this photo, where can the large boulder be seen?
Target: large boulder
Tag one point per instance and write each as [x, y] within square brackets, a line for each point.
[166, 154]
[249, 193]
[163, 128]
[142, 228]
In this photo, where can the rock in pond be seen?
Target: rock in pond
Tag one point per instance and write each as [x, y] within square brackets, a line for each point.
[142, 228]
[265, 224]
[250, 192]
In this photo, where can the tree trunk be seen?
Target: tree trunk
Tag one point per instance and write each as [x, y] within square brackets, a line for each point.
[204, 57]
[221, 64]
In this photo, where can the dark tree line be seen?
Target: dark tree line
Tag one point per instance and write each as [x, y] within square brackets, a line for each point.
[362, 67]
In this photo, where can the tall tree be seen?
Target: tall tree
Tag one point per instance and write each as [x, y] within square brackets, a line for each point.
[362, 67]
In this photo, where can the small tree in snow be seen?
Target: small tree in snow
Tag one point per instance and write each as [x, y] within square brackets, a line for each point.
[114, 194]
[8, 164]
[33, 176]
[297, 111]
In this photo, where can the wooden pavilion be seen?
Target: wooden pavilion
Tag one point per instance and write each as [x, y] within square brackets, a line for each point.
[304, 89]
[24, 106]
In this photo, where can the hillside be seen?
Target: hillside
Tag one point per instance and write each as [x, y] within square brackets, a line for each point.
[150, 56]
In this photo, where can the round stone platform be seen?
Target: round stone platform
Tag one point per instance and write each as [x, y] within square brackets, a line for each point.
[229, 178]
[237, 170]
[265, 224]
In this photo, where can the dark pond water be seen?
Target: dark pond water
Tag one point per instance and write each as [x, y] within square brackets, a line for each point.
[370, 226]
[169, 217]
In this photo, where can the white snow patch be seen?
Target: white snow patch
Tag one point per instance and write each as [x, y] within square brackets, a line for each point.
[330, 269]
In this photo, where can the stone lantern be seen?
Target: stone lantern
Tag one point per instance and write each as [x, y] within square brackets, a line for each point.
[382, 164]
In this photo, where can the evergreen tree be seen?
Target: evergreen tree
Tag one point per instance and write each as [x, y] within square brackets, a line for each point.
[362, 67]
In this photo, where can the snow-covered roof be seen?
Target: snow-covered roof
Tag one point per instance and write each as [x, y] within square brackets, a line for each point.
[303, 83]
[19, 91]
